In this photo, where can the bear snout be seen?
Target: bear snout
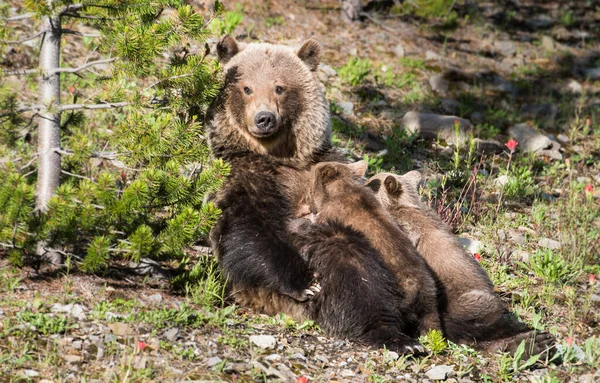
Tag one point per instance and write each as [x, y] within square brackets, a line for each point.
[266, 122]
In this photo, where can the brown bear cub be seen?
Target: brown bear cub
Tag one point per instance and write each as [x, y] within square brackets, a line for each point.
[471, 312]
[335, 196]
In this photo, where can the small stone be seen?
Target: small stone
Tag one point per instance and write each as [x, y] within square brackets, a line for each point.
[546, 113]
[273, 357]
[549, 243]
[432, 56]
[398, 50]
[472, 246]
[171, 334]
[298, 356]
[346, 107]
[435, 126]
[76, 310]
[587, 378]
[31, 373]
[477, 117]
[574, 87]
[109, 338]
[529, 139]
[72, 358]
[211, 362]
[517, 237]
[548, 43]
[592, 74]
[441, 372]
[562, 139]
[506, 48]
[450, 106]
[521, 255]
[77, 344]
[392, 355]
[121, 329]
[595, 297]
[439, 84]
[346, 373]
[501, 180]
[263, 341]
[540, 22]
[583, 180]
[237, 367]
[155, 298]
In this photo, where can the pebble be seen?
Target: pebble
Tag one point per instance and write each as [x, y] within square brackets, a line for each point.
[549, 243]
[436, 126]
[574, 87]
[439, 84]
[530, 140]
[211, 362]
[346, 107]
[517, 237]
[31, 373]
[441, 372]
[263, 341]
[171, 334]
[471, 245]
[562, 139]
[155, 298]
[392, 355]
[121, 329]
[548, 43]
[399, 50]
[109, 338]
[501, 180]
[298, 356]
[273, 357]
[72, 358]
[76, 310]
[432, 56]
[346, 373]
[587, 378]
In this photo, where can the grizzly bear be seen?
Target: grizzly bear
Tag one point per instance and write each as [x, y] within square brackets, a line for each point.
[471, 312]
[271, 116]
[335, 196]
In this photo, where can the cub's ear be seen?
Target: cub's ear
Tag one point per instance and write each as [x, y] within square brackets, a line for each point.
[374, 184]
[227, 48]
[413, 177]
[392, 186]
[326, 174]
[310, 53]
[358, 168]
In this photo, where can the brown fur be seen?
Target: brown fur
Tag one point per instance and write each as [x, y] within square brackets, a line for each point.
[470, 309]
[335, 195]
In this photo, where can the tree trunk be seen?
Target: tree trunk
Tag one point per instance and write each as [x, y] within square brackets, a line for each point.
[351, 10]
[48, 175]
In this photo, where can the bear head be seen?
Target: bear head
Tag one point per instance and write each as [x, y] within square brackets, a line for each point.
[334, 181]
[270, 103]
[397, 191]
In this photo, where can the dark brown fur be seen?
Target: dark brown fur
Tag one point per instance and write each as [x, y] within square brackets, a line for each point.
[335, 195]
[471, 312]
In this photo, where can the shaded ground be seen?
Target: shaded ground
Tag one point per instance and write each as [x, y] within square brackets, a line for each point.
[536, 225]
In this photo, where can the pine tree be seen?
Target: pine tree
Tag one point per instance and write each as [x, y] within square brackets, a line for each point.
[133, 163]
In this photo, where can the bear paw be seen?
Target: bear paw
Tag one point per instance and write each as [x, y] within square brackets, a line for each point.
[535, 343]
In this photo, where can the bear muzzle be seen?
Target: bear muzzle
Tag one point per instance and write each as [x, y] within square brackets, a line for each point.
[266, 124]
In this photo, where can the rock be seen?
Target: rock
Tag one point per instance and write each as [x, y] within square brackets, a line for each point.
[450, 106]
[171, 334]
[346, 107]
[109, 338]
[76, 310]
[574, 87]
[501, 180]
[577, 351]
[263, 341]
[147, 266]
[477, 117]
[72, 358]
[77, 344]
[587, 378]
[298, 356]
[562, 139]
[488, 146]
[322, 358]
[521, 255]
[273, 357]
[121, 329]
[441, 372]
[517, 237]
[546, 113]
[472, 246]
[346, 373]
[31, 373]
[432, 56]
[549, 243]
[499, 84]
[433, 126]
[237, 367]
[398, 50]
[392, 355]
[439, 84]
[592, 74]
[211, 362]
[328, 70]
[548, 44]
[539, 22]
[505, 48]
[155, 298]
[529, 139]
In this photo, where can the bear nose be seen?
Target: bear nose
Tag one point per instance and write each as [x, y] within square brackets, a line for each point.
[264, 121]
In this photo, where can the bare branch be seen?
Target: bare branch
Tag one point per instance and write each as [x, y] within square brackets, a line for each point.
[19, 17]
[80, 68]
[77, 33]
[77, 176]
[107, 105]
[166, 79]
[22, 72]
[12, 42]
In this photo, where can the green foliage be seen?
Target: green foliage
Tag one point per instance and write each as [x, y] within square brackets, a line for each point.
[136, 179]
[355, 71]
[230, 20]
[434, 341]
[44, 324]
[553, 267]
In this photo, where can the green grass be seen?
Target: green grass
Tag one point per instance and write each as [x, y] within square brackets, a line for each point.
[355, 71]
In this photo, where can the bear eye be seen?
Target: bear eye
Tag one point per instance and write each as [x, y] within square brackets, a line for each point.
[247, 90]
[279, 89]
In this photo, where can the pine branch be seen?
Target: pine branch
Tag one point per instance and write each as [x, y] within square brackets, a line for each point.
[77, 33]
[77, 176]
[80, 68]
[14, 42]
[107, 105]
[165, 79]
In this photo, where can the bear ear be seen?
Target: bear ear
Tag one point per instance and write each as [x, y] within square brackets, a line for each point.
[227, 48]
[358, 168]
[326, 174]
[374, 184]
[392, 186]
[413, 177]
[310, 54]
